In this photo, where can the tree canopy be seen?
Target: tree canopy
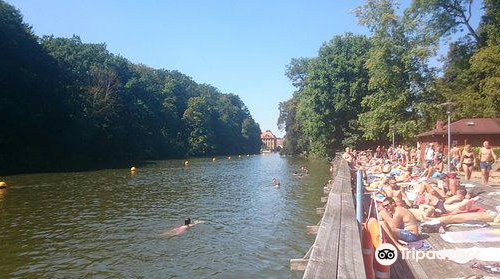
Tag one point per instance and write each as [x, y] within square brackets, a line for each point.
[65, 102]
[358, 89]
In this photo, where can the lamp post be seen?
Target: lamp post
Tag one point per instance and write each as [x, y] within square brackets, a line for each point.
[448, 113]
[392, 128]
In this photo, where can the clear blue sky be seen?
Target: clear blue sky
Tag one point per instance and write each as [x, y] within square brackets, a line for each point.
[240, 47]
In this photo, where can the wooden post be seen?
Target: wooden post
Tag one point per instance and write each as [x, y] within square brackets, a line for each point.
[298, 264]
[312, 229]
[320, 210]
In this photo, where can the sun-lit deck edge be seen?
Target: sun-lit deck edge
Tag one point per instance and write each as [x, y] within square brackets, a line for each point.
[336, 252]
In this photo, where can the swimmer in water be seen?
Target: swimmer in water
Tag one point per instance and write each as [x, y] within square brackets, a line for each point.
[180, 230]
[276, 182]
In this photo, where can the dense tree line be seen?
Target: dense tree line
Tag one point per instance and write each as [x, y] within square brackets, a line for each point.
[64, 102]
[358, 89]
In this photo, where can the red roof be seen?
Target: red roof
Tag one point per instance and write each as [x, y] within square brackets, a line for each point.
[267, 135]
[279, 141]
[469, 126]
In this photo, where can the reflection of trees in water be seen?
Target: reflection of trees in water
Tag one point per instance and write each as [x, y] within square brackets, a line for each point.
[3, 193]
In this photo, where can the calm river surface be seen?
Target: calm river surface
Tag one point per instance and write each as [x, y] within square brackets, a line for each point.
[107, 223]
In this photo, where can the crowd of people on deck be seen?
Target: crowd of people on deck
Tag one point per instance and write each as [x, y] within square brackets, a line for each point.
[414, 193]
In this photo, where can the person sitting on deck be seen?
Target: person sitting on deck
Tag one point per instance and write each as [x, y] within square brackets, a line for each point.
[458, 197]
[406, 176]
[399, 223]
[453, 183]
[434, 170]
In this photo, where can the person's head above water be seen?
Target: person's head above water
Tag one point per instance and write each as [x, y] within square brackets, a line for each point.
[187, 222]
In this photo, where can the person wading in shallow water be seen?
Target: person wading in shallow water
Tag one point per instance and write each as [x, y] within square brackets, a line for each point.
[180, 230]
[486, 158]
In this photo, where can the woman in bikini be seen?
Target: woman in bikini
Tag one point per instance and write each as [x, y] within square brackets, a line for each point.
[467, 161]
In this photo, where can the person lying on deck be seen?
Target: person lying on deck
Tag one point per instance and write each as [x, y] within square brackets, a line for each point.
[399, 223]
[485, 216]
[433, 207]
[406, 176]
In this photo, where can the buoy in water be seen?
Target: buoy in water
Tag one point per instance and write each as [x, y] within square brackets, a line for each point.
[3, 185]
[239, 156]
[213, 159]
[229, 157]
[186, 163]
[248, 155]
[133, 169]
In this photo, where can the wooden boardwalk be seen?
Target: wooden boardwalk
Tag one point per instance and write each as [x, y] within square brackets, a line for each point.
[336, 252]
[444, 268]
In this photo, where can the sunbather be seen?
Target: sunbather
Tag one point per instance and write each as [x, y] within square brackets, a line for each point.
[399, 223]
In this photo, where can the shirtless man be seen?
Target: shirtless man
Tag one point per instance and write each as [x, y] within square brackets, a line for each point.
[486, 158]
[399, 223]
[455, 157]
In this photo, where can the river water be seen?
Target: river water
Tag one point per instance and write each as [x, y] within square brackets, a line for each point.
[108, 223]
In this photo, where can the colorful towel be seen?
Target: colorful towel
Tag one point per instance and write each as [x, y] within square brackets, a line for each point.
[472, 209]
[474, 236]
[470, 224]
[418, 245]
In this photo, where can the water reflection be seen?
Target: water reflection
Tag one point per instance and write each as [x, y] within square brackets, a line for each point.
[108, 223]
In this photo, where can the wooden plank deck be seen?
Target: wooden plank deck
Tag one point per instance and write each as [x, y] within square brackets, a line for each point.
[336, 252]
[444, 268]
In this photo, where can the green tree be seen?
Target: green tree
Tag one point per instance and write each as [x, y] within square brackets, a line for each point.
[330, 87]
[440, 18]
[399, 75]
[67, 103]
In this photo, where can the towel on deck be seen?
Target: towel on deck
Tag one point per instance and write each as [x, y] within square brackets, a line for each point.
[418, 245]
[464, 255]
[473, 236]
[470, 224]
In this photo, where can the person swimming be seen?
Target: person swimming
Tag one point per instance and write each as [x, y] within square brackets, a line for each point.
[180, 230]
[276, 182]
